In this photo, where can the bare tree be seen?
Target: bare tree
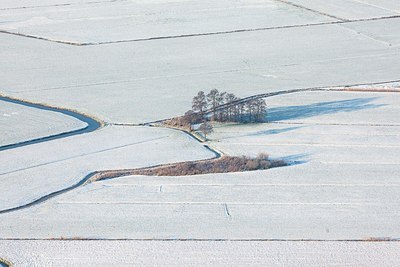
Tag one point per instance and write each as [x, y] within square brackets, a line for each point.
[229, 97]
[212, 97]
[260, 110]
[206, 128]
[250, 109]
[199, 103]
[253, 110]
[190, 118]
[241, 112]
[221, 114]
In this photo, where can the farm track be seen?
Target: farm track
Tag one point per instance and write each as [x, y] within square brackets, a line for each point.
[110, 174]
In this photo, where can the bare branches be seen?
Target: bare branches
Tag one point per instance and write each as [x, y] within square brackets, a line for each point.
[218, 104]
[206, 128]
[221, 107]
[199, 103]
[213, 100]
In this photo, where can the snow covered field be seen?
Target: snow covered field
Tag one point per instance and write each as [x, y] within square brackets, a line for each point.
[344, 145]
[144, 81]
[352, 9]
[333, 193]
[137, 20]
[311, 201]
[158, 253]
[323, 127]
[19, 123]
[64, 162]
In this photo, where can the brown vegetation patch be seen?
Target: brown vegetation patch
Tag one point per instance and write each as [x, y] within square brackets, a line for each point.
[224, 164]
[180, 123]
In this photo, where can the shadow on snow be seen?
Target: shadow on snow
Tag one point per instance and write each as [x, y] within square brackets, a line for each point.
[296, 159]
[322, 108]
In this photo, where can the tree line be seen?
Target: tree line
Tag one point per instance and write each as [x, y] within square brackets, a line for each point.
[249, 111]
[214, 106]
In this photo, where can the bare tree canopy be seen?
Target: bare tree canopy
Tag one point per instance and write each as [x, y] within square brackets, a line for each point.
[213, 98]
[216, 106]
[206, 128]
[199, 103]
[250, 111]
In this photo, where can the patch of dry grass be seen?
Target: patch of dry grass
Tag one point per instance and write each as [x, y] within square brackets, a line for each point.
[224, 164]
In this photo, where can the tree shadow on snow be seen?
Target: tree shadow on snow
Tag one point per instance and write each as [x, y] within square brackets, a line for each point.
[266, 132]
[276, 131]
[296, 159]
[322, 108]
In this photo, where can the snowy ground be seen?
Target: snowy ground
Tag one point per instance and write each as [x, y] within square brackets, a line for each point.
[344, 186]
[19, 123]
[352, 9]
[156, 253]
[25, 176]
[309, 201]
[131, 86]
[334, 193]
[136, 20]
[323, 127]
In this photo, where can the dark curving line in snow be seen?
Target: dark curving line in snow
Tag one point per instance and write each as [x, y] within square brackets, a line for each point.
[82, 155]
[196, 34]
[92, 126]
[110, 174]
[51, 195]
[92, 123]
[4, 263]
[101, 175]
[311, 10]
[337, 87]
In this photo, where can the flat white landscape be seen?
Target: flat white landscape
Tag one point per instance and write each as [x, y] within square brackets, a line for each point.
[352, 9]
[19, 123]
[136, 20]
[147, 88]
[156, 253]
[25, 176]
[343, 186]
[131, 62]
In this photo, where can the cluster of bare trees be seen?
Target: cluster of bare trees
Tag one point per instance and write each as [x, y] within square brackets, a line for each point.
[216, 106]
[220, 106]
